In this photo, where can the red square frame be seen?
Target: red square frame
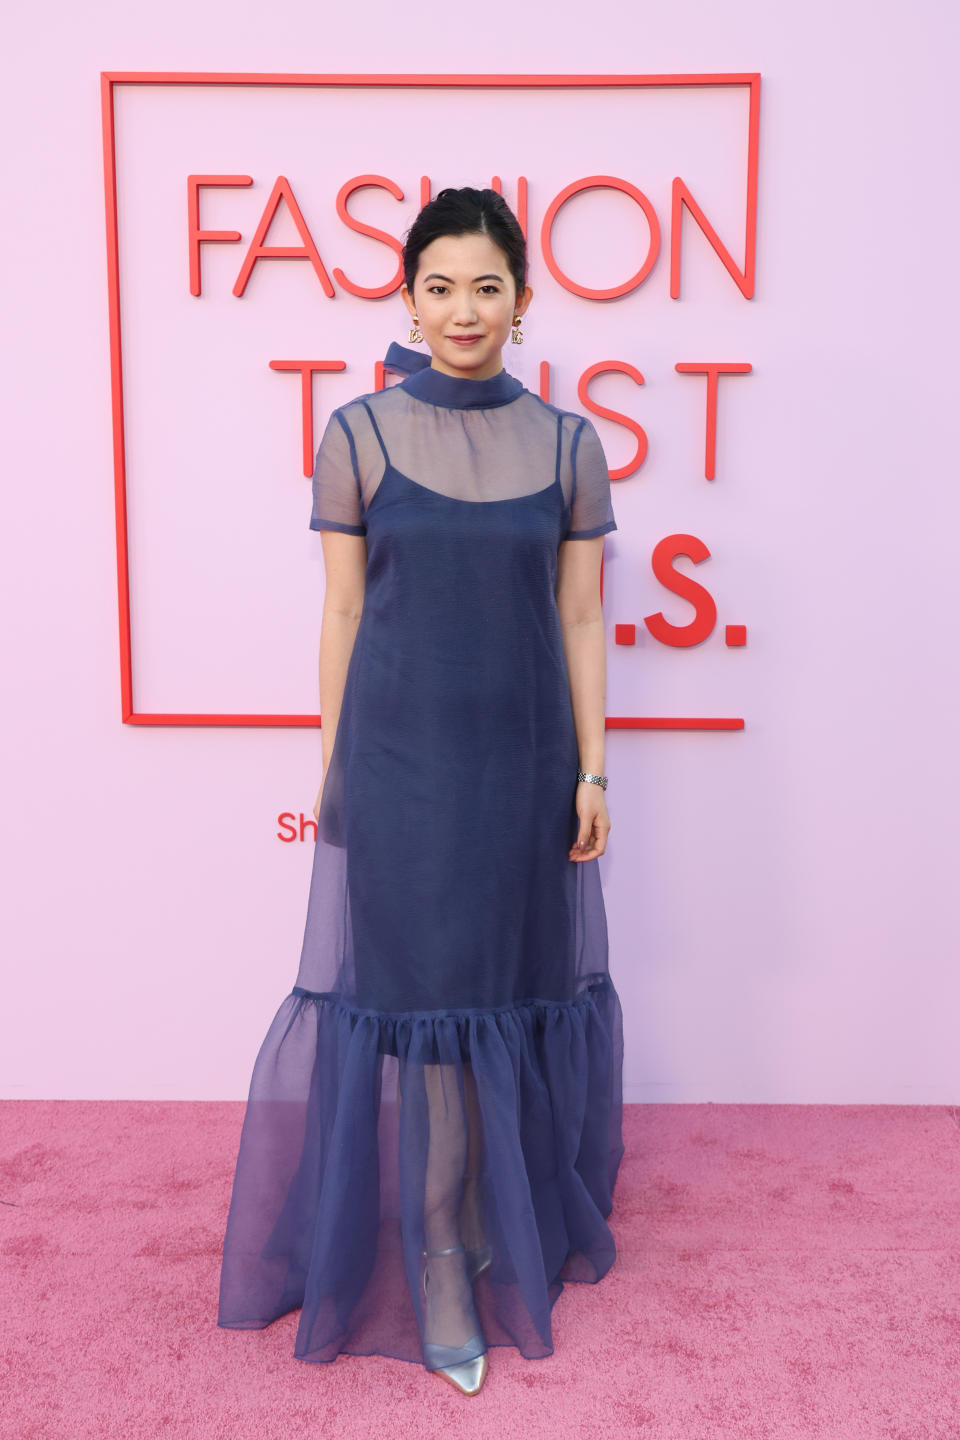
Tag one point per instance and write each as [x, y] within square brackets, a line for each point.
[110, 79]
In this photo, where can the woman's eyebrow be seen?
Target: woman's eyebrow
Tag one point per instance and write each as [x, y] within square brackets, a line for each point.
[434, 276]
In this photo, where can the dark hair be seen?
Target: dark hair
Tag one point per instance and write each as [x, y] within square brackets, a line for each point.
[467, 212]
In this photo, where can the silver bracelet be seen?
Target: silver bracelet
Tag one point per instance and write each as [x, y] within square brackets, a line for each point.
[595, 779]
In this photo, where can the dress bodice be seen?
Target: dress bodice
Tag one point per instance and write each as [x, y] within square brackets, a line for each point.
[487, 440]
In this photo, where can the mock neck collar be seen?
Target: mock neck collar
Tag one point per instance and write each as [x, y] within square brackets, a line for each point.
[456, 392]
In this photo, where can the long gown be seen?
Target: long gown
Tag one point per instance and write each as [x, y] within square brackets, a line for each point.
[452, 1047]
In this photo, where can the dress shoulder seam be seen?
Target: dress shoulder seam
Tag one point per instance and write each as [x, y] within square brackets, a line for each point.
[359, 399]
[557, 409]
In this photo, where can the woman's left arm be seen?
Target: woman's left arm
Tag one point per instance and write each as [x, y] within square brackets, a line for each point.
[578, 601]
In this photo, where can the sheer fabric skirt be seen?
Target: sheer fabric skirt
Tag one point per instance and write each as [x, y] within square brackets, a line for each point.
[497, 1127]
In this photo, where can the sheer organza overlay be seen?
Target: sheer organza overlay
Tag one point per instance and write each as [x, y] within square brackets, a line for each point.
[447, 1067]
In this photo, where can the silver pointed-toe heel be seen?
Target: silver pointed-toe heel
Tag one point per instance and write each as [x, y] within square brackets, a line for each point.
[456, 1364]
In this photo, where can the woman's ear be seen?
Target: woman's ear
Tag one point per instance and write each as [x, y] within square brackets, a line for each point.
[408, 299]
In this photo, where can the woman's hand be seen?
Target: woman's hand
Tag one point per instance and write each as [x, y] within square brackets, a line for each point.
[591, 806]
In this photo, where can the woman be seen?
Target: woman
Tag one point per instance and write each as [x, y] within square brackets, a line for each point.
[433, 1131]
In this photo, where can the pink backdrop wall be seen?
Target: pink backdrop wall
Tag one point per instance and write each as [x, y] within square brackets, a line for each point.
[779, 898]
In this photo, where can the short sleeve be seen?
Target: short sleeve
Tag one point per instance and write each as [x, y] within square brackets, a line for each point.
[336, 481]
[591, 506]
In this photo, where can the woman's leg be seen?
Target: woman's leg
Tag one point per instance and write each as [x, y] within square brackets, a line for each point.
[471, 1214]
[450, 1318]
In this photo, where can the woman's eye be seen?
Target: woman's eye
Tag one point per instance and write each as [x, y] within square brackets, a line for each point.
[493, 288]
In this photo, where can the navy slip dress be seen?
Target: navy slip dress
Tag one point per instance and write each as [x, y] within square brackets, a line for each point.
[451, 948]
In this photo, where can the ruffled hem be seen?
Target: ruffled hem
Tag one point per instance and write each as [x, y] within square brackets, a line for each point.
[328, 1206]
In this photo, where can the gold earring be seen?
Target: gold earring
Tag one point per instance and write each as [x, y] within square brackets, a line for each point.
[516, 334]
[415, 332]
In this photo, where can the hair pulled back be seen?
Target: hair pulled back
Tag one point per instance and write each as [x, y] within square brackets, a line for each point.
[467, 212]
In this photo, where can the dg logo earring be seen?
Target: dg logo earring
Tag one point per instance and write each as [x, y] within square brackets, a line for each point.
[516, 335]
[415, 332]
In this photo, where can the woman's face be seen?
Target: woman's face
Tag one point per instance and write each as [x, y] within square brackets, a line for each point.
[464, 287]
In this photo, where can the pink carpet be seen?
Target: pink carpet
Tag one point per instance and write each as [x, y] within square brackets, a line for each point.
[783, 1271]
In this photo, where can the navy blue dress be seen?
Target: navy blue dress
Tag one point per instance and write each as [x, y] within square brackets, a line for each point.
[451, 947]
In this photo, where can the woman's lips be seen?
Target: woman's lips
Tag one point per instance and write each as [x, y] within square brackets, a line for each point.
[465, 339]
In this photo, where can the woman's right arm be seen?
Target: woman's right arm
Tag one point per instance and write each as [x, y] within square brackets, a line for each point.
[345, 563]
